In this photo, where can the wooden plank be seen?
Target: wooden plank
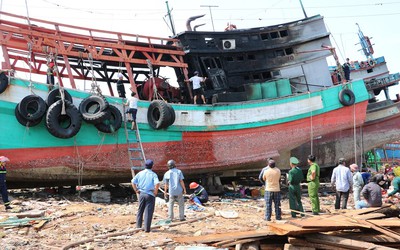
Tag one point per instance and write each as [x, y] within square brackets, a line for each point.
[385, 231]
[224, 236]
[288, 229]
[392, 222]
[343, 242]
[292, 247]
[365, 210]
[304, 243]
[369, 216]
[367, 237]
[335, 222]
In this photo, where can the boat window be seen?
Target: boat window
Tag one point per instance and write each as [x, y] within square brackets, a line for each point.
[229, 59]
[274, 35]
[264, 36]
[279, 52]
[209, 41]
[370, 70]
[276, 73]
[289, 51]
[245, 39]
[218, 63]
[254, 37]
[283, 33]
[256, 77]
[266, 75]
[240, 58]
[251, 57]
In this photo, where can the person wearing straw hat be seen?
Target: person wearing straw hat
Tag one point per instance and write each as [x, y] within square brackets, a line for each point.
[3, 186]
[295, 177]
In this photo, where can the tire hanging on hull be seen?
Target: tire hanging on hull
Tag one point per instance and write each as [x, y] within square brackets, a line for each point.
[113, 123]
[347, 97]
[26, 122]
[94, 109]
[3, 82]
[55, 95]
[160, 115]
[63, 126]
[32, 107]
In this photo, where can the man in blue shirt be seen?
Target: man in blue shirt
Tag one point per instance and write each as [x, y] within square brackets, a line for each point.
[173, 181]
[342, 180]
[146, 185]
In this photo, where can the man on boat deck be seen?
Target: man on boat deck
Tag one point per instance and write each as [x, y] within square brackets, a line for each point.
[197, 89]
[120, 86]
[346, 69]
[313, 184]
[3, 186]
[146, 184]
[50, 74]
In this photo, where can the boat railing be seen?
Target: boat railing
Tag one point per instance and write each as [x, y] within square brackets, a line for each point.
[84, 33]
[392, 79]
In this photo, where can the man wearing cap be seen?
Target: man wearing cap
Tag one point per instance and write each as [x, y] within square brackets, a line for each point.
[342, 180]
[174, 187]
[313, 184]
[272, 177]
[3, 186]
[295, 177]
[146, 184]
[120, 86]
[358, 182]
[197, 89]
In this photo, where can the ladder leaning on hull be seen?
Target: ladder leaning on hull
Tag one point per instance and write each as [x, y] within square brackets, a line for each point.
[136, 154]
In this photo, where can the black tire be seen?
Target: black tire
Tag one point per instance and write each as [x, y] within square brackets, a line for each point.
[63, 126]
[172, 115]
[3, 82]
[25, 122]
[54, 95]
[158, 115]
[32, 107]
[113, 123]
[347, 97]
[94, 109]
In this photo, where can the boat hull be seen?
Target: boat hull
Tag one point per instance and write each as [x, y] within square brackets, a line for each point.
[205, 139]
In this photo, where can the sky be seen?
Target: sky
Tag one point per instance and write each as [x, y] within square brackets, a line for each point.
[377, 19]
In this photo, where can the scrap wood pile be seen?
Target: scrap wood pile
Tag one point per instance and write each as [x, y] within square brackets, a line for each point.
[372, 228]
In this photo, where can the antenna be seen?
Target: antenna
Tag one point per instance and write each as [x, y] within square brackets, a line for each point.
[209, 7]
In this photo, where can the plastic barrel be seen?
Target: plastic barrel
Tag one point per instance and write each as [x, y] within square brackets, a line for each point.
[253, 91]
[284, 88]
[269, 90]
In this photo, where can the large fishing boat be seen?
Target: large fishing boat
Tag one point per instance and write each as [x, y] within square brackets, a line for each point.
[268, 90]
[382, 121]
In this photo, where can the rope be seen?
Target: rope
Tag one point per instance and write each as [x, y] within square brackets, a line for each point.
[30, 65]
[95, 86]
[27, 13]
[311, 127]
[62, 94]
[355, 132]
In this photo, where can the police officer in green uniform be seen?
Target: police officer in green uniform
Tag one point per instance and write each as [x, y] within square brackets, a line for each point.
[295, 176]
[313, 184]
[3, 186]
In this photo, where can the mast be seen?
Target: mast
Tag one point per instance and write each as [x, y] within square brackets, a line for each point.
[170, 19]
[302, 7]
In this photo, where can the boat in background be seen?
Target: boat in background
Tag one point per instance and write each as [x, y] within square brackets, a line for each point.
[269, 90]
[382, 121]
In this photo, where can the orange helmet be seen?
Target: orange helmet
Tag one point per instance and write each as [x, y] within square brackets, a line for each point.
[193, 185]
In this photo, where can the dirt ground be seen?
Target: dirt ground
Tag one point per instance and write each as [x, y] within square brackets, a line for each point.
[73, 218]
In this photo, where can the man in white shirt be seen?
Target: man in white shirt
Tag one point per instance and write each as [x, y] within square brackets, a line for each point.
[342, 180]
[132, 103]
[197, 89]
